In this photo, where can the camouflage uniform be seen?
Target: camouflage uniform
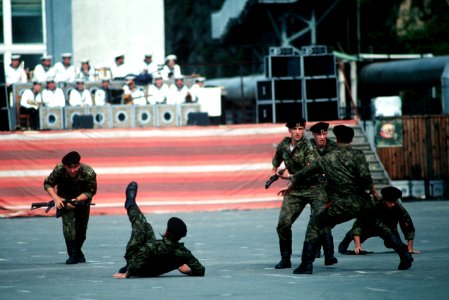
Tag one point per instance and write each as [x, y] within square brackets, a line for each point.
[148, 257]
[311, 191]
[330, 145]
[74, 221]
[349, 179]
[368, 227]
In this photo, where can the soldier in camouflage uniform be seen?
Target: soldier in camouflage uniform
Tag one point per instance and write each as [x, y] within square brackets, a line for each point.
[148, 257]
[349, 179]
[297, 153]
[78, 182]
[391, 212]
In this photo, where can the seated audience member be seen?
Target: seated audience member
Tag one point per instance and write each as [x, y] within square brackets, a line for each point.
[103, 95]
[171, 69]
[119, 69]
[195, 90]
[14, 72]
[132, 93]
[80, 96]
[65, 71]
[44, 70]
[53, 96]
[86, 72]
[157, 91]
[30, 102]
[147, 70]
[178, 92]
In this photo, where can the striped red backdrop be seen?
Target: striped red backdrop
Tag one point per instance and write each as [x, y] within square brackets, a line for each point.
[178, 169]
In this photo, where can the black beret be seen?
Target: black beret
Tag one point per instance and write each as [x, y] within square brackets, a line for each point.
[390, 193]
[343, 133]
[176, 228]
[71, 158]
[319, 127]
[299, 122]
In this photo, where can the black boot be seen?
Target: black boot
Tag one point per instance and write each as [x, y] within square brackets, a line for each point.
[131, 193]
[328, 247]
[286, 252]
[401, 250]
[72, 252]
[80, 256]
[344, 244]
[308, 256]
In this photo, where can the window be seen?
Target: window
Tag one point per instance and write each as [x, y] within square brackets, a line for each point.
[26, 21]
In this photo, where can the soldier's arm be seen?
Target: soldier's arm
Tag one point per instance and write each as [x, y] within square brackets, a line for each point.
[196, 268]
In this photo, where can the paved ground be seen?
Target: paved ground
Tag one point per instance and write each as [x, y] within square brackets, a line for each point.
[239, 250]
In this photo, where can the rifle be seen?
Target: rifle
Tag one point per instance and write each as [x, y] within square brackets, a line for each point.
[50, 204]
[273, 178]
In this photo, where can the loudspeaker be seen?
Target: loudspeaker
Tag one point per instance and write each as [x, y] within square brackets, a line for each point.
[102, 116]
[70, 112]
[187, 109]
[122, 116]
[144, 116]
[51, 118]
[83, 121]
[166, 115]
[198, 118]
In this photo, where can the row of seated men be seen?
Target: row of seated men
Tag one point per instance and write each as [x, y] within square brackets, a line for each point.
[128, 92]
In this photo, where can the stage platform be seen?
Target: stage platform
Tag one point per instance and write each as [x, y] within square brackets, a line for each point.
[189, 168]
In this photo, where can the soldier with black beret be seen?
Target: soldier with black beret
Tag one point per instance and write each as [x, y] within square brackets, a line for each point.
[297, 152]
[349, 178]
[72, 180]
[392, 213]
[147, 256]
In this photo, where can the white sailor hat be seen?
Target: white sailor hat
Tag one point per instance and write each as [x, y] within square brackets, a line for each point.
[50, 79]
[45, 57]
[66, 55]
[200, 79]
[79, 80]
[148, 54]
[158, 76]
[15, 57]
[84, 61]
[171, 57]
[129, 78]
[179, 77]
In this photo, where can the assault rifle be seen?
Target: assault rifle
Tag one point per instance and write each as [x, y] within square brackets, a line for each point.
[50, 204]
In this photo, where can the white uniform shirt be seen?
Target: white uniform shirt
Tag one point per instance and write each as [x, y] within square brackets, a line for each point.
[89, 76]
[15, 75]
[41, 74]
[100, 97]
[177, 96]
[176, 72]
[63, 73]
[195, 91]
[120, 71]
[77, 98]
[151, 68]
[157, 95]
[53, 98]
[31, 100]
[137, 95]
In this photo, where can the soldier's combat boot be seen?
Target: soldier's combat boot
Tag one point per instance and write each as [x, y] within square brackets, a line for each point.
[71, 250]
[401, 250]
[286, 252]
[131, 193]
[80, 256]
[344, 244]
[328, 247]
[308, 256]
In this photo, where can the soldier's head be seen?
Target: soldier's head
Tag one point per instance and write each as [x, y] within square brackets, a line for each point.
[319, 132]
[344, 134]
[296, 127]
[71, 162]
[390, 196]
[176, 229]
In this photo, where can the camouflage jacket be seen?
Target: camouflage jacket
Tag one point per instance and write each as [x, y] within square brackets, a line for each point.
[330, 145]
[68, 187]
[158, 257]
[390, 217]
[346, 170]
[301, 156]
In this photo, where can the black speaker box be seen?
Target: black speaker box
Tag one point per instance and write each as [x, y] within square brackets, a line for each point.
[83, 121]
[198, 118]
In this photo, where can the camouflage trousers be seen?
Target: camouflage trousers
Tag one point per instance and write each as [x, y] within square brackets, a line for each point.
[292, 207]
[74, 224]
[343, 209]
[141, 233]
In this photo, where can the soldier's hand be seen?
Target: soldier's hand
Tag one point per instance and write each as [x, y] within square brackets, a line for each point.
[358, 249]
[283, 191]
[185, 269]
[59, 203]
[413, 251]
[120, 275]
[284, 174]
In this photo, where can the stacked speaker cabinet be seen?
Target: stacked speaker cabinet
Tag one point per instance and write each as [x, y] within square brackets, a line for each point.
[186, 109]
[70, 112]
[51, 118]
[299, 83]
